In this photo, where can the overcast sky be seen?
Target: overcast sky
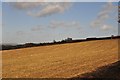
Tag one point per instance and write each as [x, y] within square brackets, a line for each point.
[43, 22]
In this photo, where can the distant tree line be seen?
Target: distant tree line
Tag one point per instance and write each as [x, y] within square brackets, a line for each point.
[68, 40]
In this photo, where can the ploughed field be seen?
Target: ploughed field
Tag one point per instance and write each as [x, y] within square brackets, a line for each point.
[59, 61]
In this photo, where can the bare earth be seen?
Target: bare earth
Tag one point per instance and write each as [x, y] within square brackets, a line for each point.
[59, 61]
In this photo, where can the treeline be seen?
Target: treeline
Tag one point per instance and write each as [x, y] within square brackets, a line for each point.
[68, 40]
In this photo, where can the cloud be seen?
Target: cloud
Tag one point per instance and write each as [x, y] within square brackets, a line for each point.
[25, 5]
[106, 27]
[20, 33]
[103, 15]
[50, 9]
[37, 28]
[37, 1]
[43, 8]
[57, 24]
[64, 24]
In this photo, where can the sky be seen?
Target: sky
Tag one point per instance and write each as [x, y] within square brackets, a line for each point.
[35, 22]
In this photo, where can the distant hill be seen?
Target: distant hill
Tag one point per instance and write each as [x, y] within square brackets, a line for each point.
[68, 40]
